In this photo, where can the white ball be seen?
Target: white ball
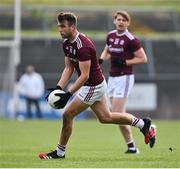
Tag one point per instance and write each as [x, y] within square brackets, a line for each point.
[52, 98]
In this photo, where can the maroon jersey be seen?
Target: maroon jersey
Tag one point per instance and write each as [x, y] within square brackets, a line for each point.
[121, 45]
[82, 49]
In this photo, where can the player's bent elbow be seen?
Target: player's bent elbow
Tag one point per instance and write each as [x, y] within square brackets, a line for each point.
[145, 60]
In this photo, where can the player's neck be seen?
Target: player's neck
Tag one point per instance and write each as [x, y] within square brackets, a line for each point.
[121, 31]
[74, 36]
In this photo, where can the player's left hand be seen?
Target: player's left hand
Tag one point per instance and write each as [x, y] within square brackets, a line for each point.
[100, 61]
[64, 97]
[119, 63]
[52, 89]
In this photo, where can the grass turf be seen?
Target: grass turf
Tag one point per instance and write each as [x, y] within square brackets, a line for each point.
[92, 145]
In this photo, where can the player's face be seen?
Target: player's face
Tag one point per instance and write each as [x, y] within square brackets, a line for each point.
[65, 30]
[121, 23]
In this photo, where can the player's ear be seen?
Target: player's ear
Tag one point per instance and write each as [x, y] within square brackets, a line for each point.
[114, 21]
[73, 27]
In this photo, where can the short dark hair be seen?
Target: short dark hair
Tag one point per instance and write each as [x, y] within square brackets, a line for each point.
[67, 16]
[124, 14]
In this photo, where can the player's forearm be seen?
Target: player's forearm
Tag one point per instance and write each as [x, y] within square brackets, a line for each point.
[135, 61]
[105, 55]
[65, 77]
[139, 58]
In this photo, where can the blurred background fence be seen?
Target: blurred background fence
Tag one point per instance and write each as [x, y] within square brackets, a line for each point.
[157, 29]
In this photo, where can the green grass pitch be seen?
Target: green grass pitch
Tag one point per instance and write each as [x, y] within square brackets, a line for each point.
[92, 145]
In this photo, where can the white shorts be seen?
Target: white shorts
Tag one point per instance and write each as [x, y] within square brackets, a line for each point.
[120, 86]
[91, 94]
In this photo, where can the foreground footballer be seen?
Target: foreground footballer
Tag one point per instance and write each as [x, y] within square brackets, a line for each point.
[90, 88]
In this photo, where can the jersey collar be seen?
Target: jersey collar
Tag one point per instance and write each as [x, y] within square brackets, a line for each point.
[75, 38]
[121, 34]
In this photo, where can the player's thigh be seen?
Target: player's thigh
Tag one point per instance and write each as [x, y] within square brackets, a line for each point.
[111, 85]
[101, 108]
[122, 86]
[119, 104]
[75, 107]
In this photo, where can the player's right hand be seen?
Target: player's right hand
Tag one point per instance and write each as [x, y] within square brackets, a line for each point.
[64, 97]
[120, 62]
[52, 89]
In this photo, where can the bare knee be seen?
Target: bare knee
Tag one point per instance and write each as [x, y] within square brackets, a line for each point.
[105, 119]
